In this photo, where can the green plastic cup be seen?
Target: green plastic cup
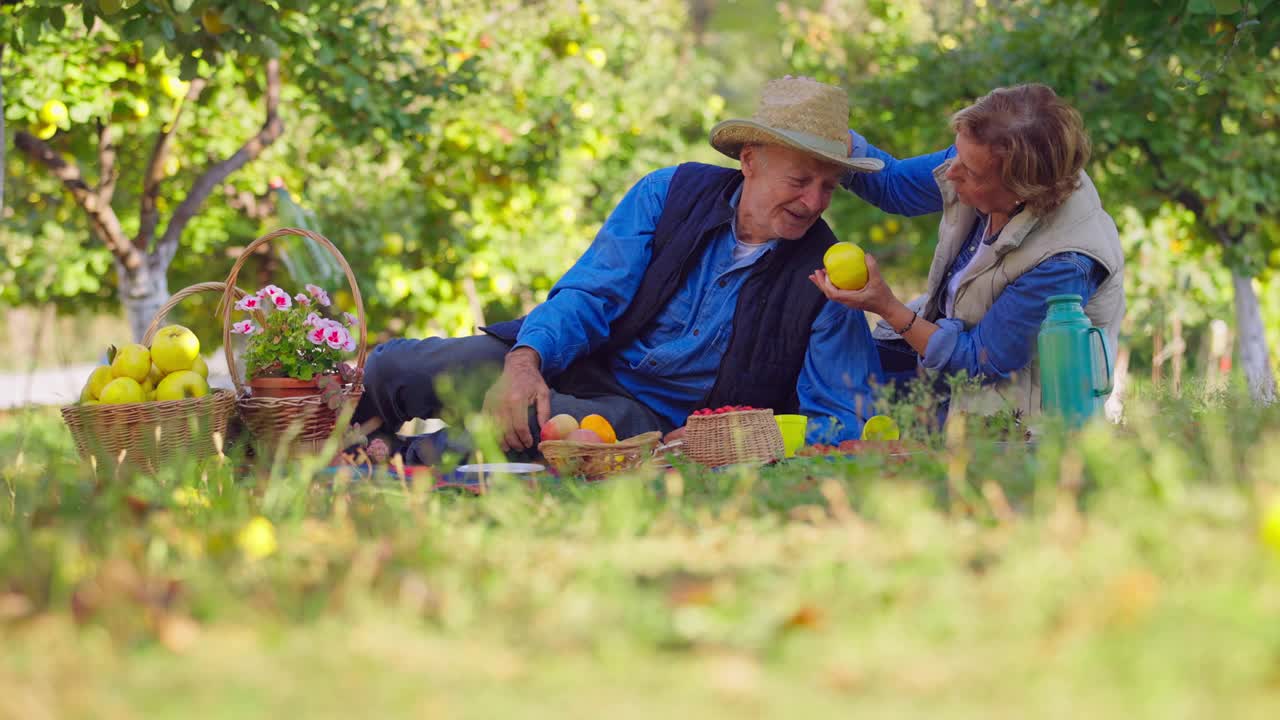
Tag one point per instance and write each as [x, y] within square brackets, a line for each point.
[792, 427]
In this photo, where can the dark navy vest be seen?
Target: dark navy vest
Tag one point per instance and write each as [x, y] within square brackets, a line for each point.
[776, 308]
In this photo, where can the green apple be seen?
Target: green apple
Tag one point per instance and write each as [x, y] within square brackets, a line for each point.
[181, 385]
[846, 265]
[174, 348]
[132, 361]
[123, 390]
[98, 379]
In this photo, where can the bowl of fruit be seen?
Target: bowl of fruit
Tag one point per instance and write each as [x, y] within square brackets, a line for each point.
[151, 403]
[732, 434]
[590, 448]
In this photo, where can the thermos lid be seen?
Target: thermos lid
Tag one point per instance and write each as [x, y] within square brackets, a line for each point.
[1061, 299]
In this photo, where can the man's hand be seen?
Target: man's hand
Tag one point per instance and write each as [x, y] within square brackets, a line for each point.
[674, 435]
[508, 401]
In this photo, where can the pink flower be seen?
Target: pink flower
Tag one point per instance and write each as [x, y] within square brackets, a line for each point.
[349, 345]
[316, 336]
[282, 301]
[271, 291]
[313, 320]
[351, 319]
[302, 300]
[245, 327]
[249, 302]
[319, 294]
[337, 337]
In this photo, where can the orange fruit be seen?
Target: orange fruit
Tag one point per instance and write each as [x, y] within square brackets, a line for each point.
[600, 426]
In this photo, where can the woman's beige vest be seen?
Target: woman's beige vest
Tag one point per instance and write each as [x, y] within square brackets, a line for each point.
[1079, 225]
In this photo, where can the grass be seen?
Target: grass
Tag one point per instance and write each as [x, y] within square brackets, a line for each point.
[1116, 572]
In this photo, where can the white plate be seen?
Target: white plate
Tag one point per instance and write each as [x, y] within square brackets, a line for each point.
[508, 468]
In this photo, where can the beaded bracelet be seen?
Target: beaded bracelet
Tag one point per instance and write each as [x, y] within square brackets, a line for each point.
[904, 330]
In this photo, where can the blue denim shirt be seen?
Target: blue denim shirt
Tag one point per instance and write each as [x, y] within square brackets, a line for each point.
[1002, 342]
[673, 363]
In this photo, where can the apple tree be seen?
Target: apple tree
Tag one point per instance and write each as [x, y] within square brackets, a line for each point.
[130, 114]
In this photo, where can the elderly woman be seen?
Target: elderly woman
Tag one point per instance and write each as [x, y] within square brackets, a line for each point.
[1021, 221]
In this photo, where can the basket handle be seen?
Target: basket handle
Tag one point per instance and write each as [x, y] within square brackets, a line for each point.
[184, 293]
[228, 302]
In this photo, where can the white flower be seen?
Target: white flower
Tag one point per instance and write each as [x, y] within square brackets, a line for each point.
[351, 319]
[313, 320]
[271, 291]
[282, 301]
[316, 336]
[302, 300]
[245, 327]
[249, 302]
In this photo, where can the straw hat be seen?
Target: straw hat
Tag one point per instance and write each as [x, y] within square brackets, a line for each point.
[801, 114]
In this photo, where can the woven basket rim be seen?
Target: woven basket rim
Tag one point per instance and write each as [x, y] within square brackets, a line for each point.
[631, 442]
[213, 395]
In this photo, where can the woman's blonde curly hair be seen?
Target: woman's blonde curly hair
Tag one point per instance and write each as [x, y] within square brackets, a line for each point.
[1039, 140]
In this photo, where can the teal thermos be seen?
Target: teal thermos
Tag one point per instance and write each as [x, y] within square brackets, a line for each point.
[1069, 363]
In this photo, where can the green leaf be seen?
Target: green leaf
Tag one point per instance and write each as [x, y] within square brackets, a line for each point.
[181, 6]
[1226, 7]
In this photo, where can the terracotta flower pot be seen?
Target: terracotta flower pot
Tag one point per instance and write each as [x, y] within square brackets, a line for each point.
[273, 387]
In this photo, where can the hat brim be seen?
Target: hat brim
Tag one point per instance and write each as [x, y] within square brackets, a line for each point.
[730, 136]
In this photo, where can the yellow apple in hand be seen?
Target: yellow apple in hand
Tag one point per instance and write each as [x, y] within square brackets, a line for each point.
[174, 348]
[846, 265]
[132, 361]
[122, 390]
[181, 385]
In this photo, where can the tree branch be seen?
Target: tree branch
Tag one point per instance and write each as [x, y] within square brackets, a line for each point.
[102, 218]
[204, 185]
[107, 173]
[154, 175]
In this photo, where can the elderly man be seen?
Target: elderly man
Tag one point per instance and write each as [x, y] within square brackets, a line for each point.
[695, 293]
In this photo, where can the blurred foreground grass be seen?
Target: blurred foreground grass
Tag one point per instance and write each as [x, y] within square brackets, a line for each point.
[1112, 573]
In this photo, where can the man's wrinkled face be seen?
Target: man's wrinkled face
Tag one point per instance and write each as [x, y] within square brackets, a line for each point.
[785, 191]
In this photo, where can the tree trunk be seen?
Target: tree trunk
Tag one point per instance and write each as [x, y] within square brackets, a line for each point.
[1255, 356]
[142, 295]
[3, 141]
[1179, 348]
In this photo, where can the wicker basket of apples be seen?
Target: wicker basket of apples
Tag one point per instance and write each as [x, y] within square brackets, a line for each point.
[591, 448]
[152, 404]
[732, 434]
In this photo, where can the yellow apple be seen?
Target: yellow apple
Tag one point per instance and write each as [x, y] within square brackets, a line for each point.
[200, 368]
[172, 87]
[846, 265]
[1269, 528]
[174, 348]
[53, 112]
[98, 379]
[181, 385]
[122, 390]
[132, 361]
[86, 396]
[880, 427]
[155, 376]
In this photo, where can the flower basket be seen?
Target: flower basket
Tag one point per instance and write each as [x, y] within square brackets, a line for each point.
[595, 461]
[150, 435]
[308, 419]
[741, 436]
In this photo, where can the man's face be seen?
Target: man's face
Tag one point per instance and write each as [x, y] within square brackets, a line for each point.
[975, 174]
[785, 191]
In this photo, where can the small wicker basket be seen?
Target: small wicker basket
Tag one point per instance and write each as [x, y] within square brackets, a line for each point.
[595, 461]
[741, 436]
[150, 435]
[309, 420]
